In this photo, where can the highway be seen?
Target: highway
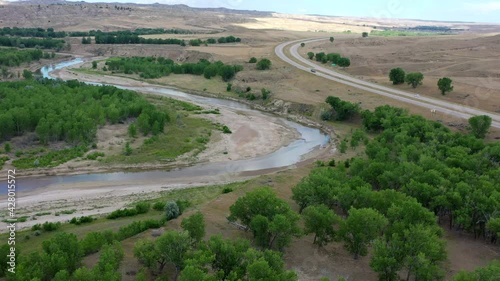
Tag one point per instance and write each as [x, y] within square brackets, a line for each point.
[439, 106]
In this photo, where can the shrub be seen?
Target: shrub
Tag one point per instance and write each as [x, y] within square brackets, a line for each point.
[227, 190]
[249, 89]
[253, 60]
[36, 227]
[172, 210]
[331, 163]
[142, 207]
[51, 226]
[264, 64]
[326, 115]
[159, 206]
[226, 130]
[183, 205]
[229, 87]
[80, 220]
[122, 213]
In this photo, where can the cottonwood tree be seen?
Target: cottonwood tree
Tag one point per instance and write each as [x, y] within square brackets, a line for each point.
[195, 226]
[414, 79]
[480, 125]
[360, 228]
[444, 85]
[271, 220]
[397, 76]
[170, 247]
[320, 220]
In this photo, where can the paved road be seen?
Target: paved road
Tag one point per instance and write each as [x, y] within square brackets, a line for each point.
[441, 107]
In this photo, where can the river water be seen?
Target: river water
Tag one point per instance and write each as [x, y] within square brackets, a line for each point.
[293, 153]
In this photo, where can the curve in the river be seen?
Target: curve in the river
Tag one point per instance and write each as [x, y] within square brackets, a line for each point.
[285, 156]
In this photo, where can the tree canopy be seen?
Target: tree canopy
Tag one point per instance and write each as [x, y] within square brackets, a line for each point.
[414, 79]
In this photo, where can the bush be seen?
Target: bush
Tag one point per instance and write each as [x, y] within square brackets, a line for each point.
[172, 210]
[229, 87]
[36, 227]
[226, 130]
[122, 213]
[159, 206]
[80, 220]
[94, 155]
[227, 190]
[331, 163]
[249, 89]
[253, 60]
[264, 64]
[183, 205]
[265, 93]
[37, 233]
[142, 207]
[326, 115]
[51, 226]
[364, 34]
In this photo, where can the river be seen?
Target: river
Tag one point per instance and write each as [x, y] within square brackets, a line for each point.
[310, 139]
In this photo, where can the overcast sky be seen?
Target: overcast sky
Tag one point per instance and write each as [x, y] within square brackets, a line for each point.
[444, 10]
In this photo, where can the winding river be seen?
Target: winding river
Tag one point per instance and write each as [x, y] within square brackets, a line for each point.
[310, 139]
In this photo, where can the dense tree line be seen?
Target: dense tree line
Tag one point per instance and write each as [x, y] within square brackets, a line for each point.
[32, 32]
[70, 111]
[215, 259]
[152, 67]
[13, 57]
[138, 31]
[331, 57]
[44, 43]
[416, 173]
[104, 38]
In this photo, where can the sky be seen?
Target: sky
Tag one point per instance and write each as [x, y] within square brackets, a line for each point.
[443, 10]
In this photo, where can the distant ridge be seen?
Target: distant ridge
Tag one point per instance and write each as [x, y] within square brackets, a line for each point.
[221, 10]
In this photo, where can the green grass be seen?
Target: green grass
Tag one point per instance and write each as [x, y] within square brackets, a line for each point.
[181, 136]
[50, 159]
[390, 33]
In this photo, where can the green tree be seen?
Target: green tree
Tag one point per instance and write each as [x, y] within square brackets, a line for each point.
[444, 85]
[414, 79]
[229, 87]
[397, 76]
[357, 137]
[302, 44]
[210, 71]
[491, 272]
[253, 60]
[170, 247]
[344, 62]
[343, 109]
[227, 72]
[195, 226]
[360, 228]
[364, 34]
[27, 74]
[271, 220]
[320, 220]
[332, 39]
[310, 55]
[480, 125]
[264, 64]
[94, 65]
